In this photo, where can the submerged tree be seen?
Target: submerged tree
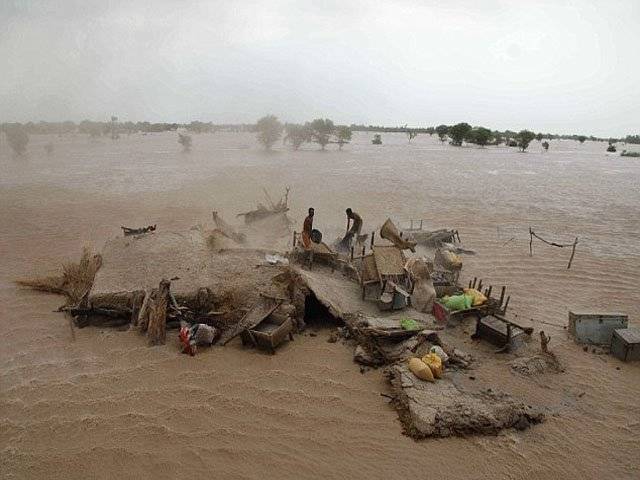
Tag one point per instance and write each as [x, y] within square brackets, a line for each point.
[269, 130]
[442, 131]
[545, 145]
[185, 141]
[321, 131]
[458, 133]
[344, 136]
[17, 138]
[581, 138]
[524, 138]
[296, 135]
[479, 135]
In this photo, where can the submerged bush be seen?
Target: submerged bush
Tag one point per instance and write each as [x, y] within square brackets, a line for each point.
[17, 138]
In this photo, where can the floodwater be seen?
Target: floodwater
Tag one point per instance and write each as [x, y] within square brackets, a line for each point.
[106, 406]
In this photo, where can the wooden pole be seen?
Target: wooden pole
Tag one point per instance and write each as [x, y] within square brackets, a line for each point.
[573, 252]
[502, 292]
[373, 236]
[157, 329]
[506, 304]
[352, 249]
[530, 242]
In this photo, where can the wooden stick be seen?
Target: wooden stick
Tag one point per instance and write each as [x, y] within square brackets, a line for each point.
[573, 252]
[373, 234]
[530, 242]
[502, 292]
[506, 304]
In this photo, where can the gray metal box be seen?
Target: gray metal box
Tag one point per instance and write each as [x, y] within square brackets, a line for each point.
[595, 328]
[625, 344]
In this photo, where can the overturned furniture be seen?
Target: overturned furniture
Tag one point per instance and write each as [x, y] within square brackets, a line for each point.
[500, 332]
[317, 251]
[384, 268]
[426, 238]
[263, 211]
[260, 327]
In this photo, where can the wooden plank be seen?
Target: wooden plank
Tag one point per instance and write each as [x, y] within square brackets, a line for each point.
[261, 310]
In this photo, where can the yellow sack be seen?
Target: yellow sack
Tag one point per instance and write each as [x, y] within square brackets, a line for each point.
[478, 297]
[421, 370]
[452, 259]
[434, 362]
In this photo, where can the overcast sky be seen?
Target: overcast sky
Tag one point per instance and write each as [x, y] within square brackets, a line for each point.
[556, 66]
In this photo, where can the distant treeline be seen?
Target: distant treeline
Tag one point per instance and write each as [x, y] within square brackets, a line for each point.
[480, 135]
[107, 128]
[496, 134]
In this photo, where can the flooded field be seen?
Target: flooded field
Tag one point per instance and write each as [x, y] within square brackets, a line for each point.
[106, 405]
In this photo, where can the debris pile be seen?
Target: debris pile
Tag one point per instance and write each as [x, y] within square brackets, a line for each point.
[393, 308]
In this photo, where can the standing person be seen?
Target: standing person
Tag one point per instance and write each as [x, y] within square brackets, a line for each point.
[306, 229]
[355, 221]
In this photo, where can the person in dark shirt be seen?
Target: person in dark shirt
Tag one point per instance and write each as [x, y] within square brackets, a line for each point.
[306, 229]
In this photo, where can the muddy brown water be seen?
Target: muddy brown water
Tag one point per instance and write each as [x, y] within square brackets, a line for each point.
[107, 406]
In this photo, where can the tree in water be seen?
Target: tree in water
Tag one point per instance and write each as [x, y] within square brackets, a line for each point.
[344, 136]
[539, 137]
[269, 130]
[185, 141]
[524, 138]
[479, 135]
[442, 131]
[581, 138]
[411, 133]
[545, 145]
[458, 133]
[296, 135]
[17, 138]
[321, 131]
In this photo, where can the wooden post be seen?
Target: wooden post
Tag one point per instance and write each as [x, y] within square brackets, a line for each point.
[506, 304]
[352, 249]
[480, 286]
[294, 238]
[143, 315]
[363, 249]
[502, 292]
[544, 342]
[157, 329]
[530, 242]
[489, 291]
[373, 235]
[469, 283]
[573, 252]
[475, 279]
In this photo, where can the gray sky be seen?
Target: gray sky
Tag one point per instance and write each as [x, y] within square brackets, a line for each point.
[558, 66]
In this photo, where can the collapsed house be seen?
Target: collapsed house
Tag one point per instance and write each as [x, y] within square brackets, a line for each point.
[225, 279]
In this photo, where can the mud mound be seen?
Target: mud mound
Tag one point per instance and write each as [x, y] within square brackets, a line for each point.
[135, 264]
[441, 409]
[536, 365]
